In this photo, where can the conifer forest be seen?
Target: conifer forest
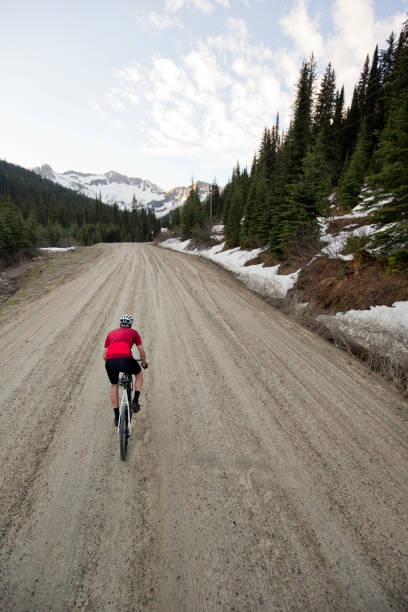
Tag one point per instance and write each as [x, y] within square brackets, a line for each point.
[37, 212]
[277, 203]
[327, 149]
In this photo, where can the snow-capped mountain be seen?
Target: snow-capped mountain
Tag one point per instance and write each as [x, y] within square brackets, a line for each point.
[114, 187]
[111, 186]
[178, 195]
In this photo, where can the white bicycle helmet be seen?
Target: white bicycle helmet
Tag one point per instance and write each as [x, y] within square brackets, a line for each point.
[126, 320]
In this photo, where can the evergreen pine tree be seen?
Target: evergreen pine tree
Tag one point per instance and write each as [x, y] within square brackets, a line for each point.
[31, 231]
[335, 144]
[373, 114]
[255, 210]
[325, 106]
[191, 215]
[300, 132]
[353, 176]
[278, 199]
[175, 218]
[362, 86]
[351, 129]
[235, 204]
[391, 163]
[308, 199]
[253, 166]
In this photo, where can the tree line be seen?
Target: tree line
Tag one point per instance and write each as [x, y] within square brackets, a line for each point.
[327, 147]
[37, 212]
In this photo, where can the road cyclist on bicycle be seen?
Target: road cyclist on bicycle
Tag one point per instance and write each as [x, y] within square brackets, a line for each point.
[118, 358]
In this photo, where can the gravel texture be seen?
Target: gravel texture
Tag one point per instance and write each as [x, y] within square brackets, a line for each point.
[268, 470]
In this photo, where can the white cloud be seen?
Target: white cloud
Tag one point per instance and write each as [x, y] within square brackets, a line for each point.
[114, 100]
[204, 70]
[97, 108]
[213, 101]
[250, 3]
[238, 27]
[298, 25]
[131, 74]
[356, 32]
[162, 22]
[206, 6]
[108, 119]
[198, 105]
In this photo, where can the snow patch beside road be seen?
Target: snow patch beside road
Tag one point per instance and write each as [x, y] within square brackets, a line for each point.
[384, 327]
[266, 281]
[57, 249]
[385, 316]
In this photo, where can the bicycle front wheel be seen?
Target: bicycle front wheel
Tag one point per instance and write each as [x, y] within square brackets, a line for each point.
[123, 436]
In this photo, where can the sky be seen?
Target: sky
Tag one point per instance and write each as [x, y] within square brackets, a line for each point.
[168, 90]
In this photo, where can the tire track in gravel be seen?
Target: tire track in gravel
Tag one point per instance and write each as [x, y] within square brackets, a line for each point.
[268, 469]
[300, 439]
[50, 397]
[46, 513]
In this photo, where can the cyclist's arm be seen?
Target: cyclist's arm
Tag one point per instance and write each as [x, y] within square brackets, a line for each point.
[142, 354]
[104, 354]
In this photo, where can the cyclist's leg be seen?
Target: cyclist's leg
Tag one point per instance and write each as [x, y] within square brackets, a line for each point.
[114, 396]
[138, 385]
[112, 370]
[139, 381]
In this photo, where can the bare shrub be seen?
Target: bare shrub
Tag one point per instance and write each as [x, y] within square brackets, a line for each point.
[338, 286]
[356, 243]
[335, 225]
[307, 245]
[383, 349]
[202, 237]
[164, 235]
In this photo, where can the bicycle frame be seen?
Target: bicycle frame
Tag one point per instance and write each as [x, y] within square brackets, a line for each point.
[124, 427]
[124, 403]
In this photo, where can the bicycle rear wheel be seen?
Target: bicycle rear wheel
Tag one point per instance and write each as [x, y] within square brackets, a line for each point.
[123, 435]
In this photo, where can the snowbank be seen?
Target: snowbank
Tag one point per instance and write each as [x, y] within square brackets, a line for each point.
[384, 316]
[380, 328]
[336, 244]
[57, 249]
[265, 281]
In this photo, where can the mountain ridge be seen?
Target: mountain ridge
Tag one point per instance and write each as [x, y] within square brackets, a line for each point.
[115, 187]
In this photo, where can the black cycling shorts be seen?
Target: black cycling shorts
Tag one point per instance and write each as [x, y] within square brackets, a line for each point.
[128, 365]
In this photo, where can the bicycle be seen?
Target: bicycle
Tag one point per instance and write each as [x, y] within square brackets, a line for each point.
[124, 425]
[125, 413]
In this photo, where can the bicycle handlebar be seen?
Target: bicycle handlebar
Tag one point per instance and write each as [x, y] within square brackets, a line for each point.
[144, 367]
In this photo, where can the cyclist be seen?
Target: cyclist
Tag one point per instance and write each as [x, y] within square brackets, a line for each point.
[118, 358]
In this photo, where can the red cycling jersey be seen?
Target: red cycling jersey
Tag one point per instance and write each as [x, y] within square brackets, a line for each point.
[119, 342]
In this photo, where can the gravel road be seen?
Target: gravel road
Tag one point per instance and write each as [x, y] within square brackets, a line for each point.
[268, 469]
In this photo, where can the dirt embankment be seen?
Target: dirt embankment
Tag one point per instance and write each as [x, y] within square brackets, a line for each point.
[333, 285]
[268, 469]
[31, 279]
